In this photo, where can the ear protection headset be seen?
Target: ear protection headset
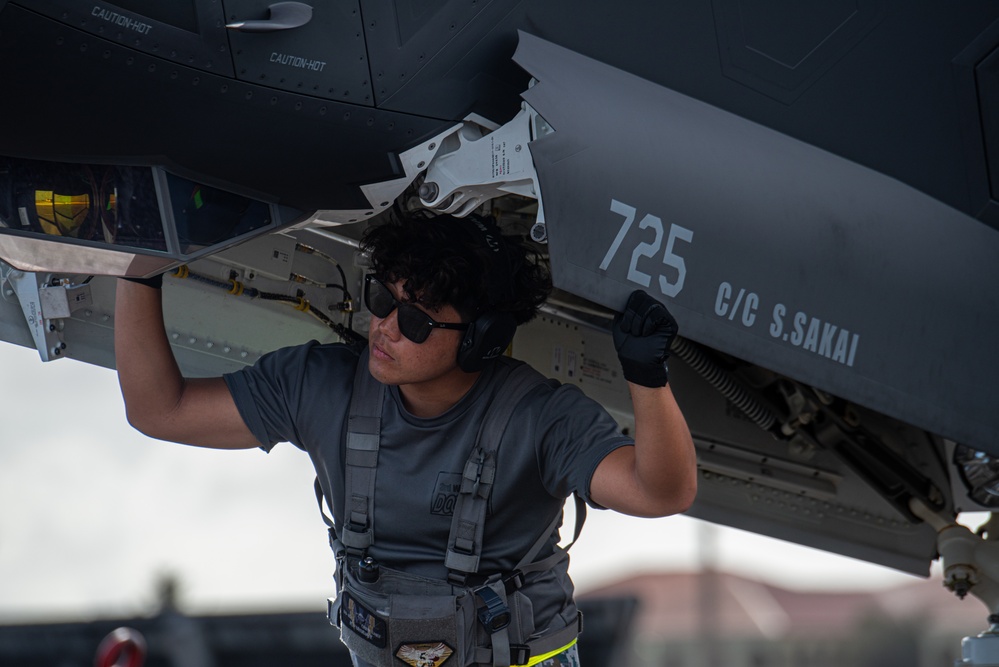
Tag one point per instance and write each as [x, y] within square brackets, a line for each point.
[492, 331]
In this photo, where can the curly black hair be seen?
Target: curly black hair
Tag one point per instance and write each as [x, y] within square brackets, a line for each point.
[445, 260]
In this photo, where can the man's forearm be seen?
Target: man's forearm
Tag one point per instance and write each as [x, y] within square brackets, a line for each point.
[658, 476]
[665, 460]
[150, 380]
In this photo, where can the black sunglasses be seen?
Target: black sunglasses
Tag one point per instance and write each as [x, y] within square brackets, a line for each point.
[414, 324]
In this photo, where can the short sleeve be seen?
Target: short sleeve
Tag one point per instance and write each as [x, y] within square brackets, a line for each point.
[575, 434]
[269, 393]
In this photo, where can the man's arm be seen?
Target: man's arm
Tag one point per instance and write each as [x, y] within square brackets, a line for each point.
[159, 401]
[658, 476]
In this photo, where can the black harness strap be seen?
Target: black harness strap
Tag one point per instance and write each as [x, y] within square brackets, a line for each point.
[467, 523]
[364, 425]
[464, 548]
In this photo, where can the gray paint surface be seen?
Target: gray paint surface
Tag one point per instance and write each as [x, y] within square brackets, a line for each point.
[793, 258]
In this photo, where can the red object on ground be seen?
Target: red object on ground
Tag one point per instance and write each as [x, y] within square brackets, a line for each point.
[123, 647]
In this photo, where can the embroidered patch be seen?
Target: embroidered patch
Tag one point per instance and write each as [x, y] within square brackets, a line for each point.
[429, 654]
[364, 622]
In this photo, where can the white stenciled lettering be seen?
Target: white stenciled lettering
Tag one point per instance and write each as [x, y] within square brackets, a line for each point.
[671, 281]
[297, 61]
[815, 335]
[811, 334]
[825, 342]
[812, 337]
[120, 21]
[777, 324]
[842, 343]
[799, 328]
[744, 305]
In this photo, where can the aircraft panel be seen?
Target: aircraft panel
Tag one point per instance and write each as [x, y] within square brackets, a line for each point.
[186, 32]
[438, 59]
[987, 78]
[113, 104]
[883, 296]
[326, 57]
[747, 478]
[782, 48]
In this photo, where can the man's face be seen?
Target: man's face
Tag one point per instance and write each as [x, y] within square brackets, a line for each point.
[394, 359]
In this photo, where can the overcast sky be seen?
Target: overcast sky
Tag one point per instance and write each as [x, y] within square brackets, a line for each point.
[92, 514]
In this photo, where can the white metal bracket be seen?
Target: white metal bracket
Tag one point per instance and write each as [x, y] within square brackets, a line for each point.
[476, 163]
[46, 302]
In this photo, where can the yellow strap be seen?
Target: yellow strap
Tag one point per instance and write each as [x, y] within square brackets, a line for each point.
[544, 656]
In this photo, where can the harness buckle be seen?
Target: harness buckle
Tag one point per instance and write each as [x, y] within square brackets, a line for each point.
[514, 582]
[479, 465]
[355, 527]
[495, 615]
[520, 654]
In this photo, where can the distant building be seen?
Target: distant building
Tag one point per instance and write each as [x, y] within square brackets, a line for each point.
[714, 619]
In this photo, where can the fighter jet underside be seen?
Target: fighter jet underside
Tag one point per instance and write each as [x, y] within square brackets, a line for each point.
[813, 191]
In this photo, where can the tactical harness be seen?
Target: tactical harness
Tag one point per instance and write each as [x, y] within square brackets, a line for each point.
[477, 619]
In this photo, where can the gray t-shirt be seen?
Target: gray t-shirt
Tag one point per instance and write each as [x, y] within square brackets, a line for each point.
[553, 443]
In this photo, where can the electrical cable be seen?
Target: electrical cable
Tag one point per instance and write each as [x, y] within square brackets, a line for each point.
[310, 250]
[237, 288]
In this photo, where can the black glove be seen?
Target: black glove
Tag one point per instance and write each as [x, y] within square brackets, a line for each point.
[156, 282]
[642, 336]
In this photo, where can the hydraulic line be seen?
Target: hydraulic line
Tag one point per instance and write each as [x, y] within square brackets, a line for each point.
[694, 357]
[721, 380]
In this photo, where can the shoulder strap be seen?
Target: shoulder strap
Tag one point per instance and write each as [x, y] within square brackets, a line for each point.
[364, 424]
[465, 541]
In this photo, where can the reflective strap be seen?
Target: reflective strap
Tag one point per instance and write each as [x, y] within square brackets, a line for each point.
[551, 654]
[544, 648]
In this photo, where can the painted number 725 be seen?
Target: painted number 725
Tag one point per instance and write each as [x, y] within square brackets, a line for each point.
[650, 248]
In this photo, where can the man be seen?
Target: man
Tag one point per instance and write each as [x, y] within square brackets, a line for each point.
[481, 579]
